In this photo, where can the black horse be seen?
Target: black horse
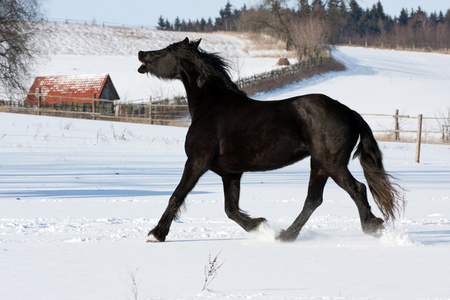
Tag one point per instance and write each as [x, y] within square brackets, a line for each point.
[231, 134]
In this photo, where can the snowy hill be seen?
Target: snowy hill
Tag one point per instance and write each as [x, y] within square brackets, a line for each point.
[72, 49]
[76, 39]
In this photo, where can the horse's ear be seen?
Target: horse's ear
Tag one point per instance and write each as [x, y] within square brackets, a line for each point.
[196, 43]
[186, 41]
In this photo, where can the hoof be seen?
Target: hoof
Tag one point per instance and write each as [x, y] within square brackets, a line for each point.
[286, 236]
[253, 224]
[374, 228]
[259, 222]
[152, 238]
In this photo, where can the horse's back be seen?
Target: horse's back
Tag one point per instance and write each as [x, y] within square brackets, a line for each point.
[320, 106]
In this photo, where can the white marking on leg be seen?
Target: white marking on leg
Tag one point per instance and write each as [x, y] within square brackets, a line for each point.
[152, 239]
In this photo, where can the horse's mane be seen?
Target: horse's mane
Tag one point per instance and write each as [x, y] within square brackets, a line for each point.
[210, 65]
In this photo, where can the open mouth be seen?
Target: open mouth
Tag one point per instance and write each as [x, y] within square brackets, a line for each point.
[143, 69]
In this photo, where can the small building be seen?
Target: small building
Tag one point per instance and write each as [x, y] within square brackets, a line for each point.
[74, 89]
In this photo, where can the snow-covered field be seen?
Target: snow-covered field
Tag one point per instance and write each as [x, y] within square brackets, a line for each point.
[77, 198]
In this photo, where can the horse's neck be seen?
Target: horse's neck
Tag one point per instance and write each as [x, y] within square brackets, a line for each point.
[201, 98]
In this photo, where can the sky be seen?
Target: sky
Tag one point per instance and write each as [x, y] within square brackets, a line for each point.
[147, 12]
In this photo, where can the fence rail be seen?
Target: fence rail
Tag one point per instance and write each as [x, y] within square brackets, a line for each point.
[282, 72]
[153, 111]
[392, 45]
[96, 23]
[397, 127]
[287, 74]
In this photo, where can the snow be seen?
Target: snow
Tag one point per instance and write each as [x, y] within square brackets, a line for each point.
[77, 198]
[380, 81]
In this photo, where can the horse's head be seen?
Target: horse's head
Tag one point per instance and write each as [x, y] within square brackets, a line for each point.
[165, 63]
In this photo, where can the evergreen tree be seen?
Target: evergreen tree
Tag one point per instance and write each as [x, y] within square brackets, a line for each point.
[372, 25]
[161, 23]
[333, 20]
[343, 8]
[441, 17]
[202, 24]
[403, 18]
[223, 23]
[356, 15]
[380, 11]
[447, 19]
[167, 25]
[177, 24]
[210, 24]
[318, 8]
[225, 13]
[304, 9]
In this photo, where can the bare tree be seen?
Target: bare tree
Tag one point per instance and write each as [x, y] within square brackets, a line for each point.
[272, 17]
[17, 52]
[310, 35]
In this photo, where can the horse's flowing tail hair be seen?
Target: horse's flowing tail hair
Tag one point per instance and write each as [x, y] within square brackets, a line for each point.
[387, 195]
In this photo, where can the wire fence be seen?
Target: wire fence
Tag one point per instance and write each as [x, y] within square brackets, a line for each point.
[93, 22]
[153, 111]
[391, 45]
[175, 112]
[413, 129]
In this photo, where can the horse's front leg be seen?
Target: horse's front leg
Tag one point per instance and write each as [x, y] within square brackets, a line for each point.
[192, 173]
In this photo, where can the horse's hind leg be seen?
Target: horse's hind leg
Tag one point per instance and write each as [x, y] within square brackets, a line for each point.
[314, 199]
[232, 187]
[357, 191]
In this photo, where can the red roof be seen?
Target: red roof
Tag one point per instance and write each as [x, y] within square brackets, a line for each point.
[66, 88]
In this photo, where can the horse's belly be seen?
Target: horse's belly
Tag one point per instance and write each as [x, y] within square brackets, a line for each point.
[252, 159]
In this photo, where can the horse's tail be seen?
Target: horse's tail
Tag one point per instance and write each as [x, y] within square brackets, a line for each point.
[387, 195]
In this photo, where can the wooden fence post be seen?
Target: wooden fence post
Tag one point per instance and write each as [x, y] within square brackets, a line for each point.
[445, 133]
[39, 99]
[150, 109]
[397, 127]
[116, 108]
[419, 138]
[93, 106]
[93, 103]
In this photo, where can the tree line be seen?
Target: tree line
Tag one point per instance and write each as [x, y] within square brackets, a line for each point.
[311, 25]
[227, 21]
